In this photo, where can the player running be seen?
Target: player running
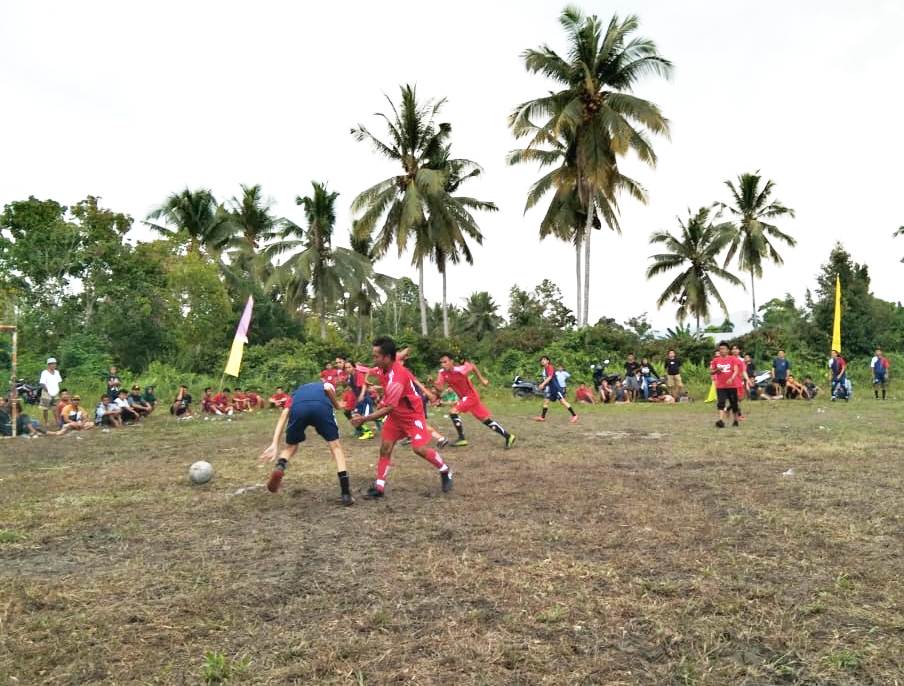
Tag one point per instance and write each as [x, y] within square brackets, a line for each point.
[404, 412]
[725, 370]
[553, 391]
[457, 377]
[311, 405]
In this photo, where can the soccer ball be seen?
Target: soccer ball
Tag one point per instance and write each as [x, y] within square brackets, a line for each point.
[200, 472]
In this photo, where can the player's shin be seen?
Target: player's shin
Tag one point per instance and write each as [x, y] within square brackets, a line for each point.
[497, 427]
[459, 426]
[382, 472]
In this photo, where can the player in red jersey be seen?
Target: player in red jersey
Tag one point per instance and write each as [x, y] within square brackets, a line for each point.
[725, 370]
[404, 412]
[457, 377]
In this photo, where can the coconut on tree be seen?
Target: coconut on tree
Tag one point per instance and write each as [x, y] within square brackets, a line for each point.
[754, 236]
[695, 251]
[594, 113]
[417, 207]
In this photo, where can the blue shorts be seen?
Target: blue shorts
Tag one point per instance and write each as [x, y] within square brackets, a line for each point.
[554, 392]
[316, 414]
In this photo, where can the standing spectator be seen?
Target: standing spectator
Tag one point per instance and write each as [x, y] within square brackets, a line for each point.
[50, 383]
[646, 375]
[838, 368]
[181, 406]
[279, 399]
[136, 402]
[632, 383]
[743, 380]
[107, 413]
[673, 374]
[879, 366]
[74, 417]
[562, 377]
[780, 367]
[150, 397]
[114, 383]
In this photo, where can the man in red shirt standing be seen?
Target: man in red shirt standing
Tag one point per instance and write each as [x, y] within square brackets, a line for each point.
[457, 377]
[404, 412]
[725, 370]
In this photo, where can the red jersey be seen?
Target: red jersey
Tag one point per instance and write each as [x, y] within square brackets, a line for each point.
[279, 399]
[583, 394]
[458, 380]
[221, 401]
[330, 376]
[549, 371]
[739, 382]
[400, 392]
[723, 369]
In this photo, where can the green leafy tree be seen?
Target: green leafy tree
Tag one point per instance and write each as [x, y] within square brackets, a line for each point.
[640, 326]
[593, 118]
[754, 235]
[900, 232]
[554, 311]
[330, 272]
[695, 251]
[524, 309]
[195, 217]
[481, 315]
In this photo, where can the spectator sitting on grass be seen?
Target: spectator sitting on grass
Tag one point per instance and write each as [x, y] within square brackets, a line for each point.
[240, 400]
[606, 392]
[795, 389]
[255, 401]
[65, 399]
[279, 398]
[136, 402]
[181, 406]
[584, 395]
[620, 393]
[25, 426]
[222, 403]
[74, 416]
[150, 397]
[128, 415]
[107, 413]
[811, 387]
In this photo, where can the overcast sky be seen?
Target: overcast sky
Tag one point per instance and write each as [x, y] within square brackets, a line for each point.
[132, 101]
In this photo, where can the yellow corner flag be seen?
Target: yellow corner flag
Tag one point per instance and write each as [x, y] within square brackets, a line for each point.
[234, 363]
[836, 327]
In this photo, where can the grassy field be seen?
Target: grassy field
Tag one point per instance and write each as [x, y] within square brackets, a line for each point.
[640, 546]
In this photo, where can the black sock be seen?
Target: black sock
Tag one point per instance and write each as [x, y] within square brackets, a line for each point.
[459, 427]
[883, 394]
[497, 427]
[282, 463]
[545, 410]
[343, 482]
[571, 409]
[877, 394]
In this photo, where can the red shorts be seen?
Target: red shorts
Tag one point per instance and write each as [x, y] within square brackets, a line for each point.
[473, 406]
[349, 399]
[415, 428]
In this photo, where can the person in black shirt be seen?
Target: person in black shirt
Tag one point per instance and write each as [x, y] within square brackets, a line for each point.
[181, 406]
[673, 375]
[752, 390]
[632, 382]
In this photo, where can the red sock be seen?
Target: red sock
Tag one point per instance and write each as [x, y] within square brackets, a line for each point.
[434, 458]
[382, 471]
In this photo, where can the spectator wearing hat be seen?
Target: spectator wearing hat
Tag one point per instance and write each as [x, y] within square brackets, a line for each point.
[50, 383]
[74, 416]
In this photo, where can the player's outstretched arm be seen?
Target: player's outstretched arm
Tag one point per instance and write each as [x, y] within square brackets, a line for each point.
[270, 453]
[331, 394]
[480, 377]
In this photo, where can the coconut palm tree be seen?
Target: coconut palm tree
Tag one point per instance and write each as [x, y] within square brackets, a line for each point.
[481, 314]
[594, 111]
[451, 224]
[754, 236]
[566, 216]
[369, 291]
[329, 272]
[417, 207]
[695, 250]
[252, 213]
[196, 217]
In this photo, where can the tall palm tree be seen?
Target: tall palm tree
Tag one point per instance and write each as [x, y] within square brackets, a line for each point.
[481, 314]
[370, 290]
[417, 206]
[696, 251]
[330, 272]
[196, 217]
[450, 223]
[754, 237]
[566, 216]
[594, 111]
[256, 227]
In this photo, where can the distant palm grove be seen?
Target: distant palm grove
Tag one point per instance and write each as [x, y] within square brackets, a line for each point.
[80, 291]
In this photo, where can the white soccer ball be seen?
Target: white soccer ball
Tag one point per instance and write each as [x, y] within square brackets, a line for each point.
[200, 472]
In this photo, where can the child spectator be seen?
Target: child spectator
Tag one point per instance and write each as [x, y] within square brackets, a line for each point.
[240, 400]
[107, 413]
[279, 399]
[222, 403]
[207, 405]
[114, 383]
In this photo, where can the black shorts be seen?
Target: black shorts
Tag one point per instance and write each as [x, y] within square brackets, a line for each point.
[729, 397]
[316, 414]
[780, 382]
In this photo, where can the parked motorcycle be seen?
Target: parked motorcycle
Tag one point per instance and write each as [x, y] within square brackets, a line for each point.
[28, 393]
[525, 388]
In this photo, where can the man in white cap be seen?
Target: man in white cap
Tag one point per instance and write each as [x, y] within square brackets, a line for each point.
[50, 390]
